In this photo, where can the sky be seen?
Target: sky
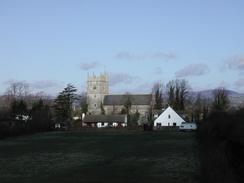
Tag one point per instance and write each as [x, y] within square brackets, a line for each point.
[50, 43]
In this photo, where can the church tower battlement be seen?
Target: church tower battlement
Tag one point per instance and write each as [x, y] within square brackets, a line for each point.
[97, 88]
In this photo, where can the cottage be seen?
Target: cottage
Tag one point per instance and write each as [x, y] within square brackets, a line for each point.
[101, 121]
[168, 118]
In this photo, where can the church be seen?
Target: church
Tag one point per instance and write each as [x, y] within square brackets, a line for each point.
[100, 101]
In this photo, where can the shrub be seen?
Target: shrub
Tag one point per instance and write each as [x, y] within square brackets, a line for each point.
[221, 140]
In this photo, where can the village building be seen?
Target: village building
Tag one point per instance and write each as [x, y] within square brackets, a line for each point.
[101, 121]
[98, 97]
[141, 103]
[168, 118]
[97, 89]
[100, 101]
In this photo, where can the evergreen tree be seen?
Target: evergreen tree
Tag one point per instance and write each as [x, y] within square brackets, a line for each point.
[19, 109]
[41, 117]
[134, 119]
[63, 104]
[127, 108]
[83, 103]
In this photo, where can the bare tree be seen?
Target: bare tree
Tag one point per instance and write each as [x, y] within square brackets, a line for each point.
[171, 92]
[177, 95]
[157, 91]
[198, 108]
[18, 90]
[221, 100]
[177, 91]
[184, 90]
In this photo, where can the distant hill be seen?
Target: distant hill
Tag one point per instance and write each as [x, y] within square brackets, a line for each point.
[236, 99]
[209, 93]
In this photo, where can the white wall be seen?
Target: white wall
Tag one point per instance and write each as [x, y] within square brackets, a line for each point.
[168, 118]
[101, 125]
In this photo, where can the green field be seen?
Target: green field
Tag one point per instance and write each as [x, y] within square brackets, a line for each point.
[100, 156]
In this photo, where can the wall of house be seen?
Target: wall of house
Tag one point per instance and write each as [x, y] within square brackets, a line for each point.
[168, 118]
[103, 125]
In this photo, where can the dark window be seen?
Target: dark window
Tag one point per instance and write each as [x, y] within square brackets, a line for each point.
[158, 124]
[174, 124]
[169, 116]
[95, 105]
[102, 123]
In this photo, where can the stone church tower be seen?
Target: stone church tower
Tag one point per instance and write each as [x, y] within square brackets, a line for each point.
[97, 88]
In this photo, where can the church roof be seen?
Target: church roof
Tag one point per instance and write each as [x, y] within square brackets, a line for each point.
[143, 99]
[104, 118]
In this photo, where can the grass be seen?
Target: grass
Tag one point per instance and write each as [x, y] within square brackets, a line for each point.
[100, 156]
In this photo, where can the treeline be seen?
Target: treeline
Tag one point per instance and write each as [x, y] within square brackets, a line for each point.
[20, 115]
[221, 145]
[177, 94]
[22, 112]
[19, 119]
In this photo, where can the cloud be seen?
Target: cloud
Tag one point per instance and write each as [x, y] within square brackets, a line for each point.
[145, 56]
[89, 65]
[239, 83]
[36, 85]
[45, 84]
[143, 88]
[158, 70]
[121, 78]
[11, 81]
[223, 84]
[235, 62]
[192, 70]
[134, 88]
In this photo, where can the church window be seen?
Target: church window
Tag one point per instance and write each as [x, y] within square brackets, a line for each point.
[95, 105]
[169, 116]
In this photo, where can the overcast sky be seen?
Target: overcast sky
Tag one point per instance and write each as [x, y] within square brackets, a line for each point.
[49, 43]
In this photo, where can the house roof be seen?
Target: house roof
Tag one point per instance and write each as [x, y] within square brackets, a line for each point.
[143, 99]
[104, 118]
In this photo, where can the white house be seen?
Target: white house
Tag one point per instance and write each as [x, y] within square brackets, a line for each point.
[168, 118]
